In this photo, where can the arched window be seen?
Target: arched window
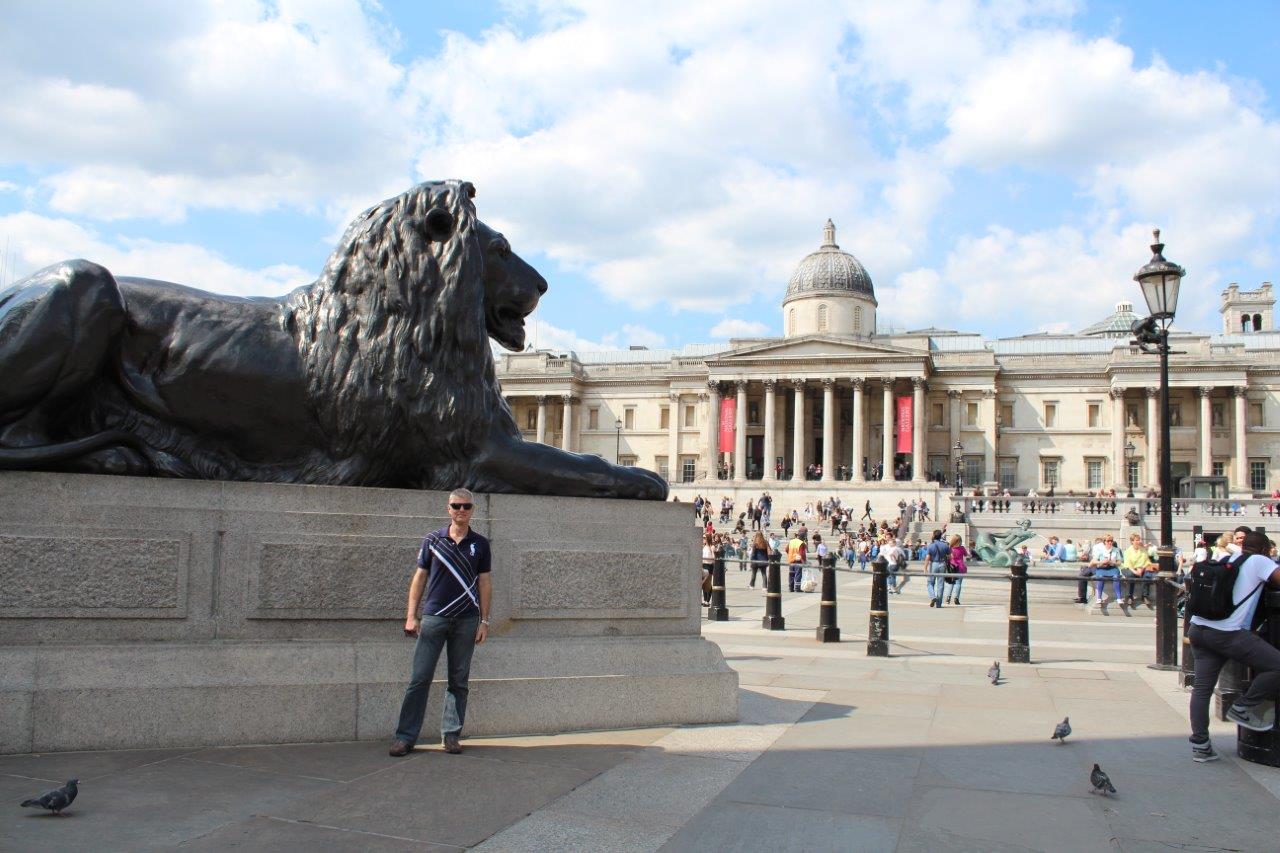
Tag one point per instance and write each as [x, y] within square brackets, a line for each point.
[822, 318]
[857, 319]
[1244, 322]
[1257, 322]
[791, 322]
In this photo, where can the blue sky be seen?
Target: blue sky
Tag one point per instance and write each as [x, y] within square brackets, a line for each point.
[996, 166]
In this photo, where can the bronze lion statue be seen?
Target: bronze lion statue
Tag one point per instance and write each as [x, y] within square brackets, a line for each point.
[378, 374]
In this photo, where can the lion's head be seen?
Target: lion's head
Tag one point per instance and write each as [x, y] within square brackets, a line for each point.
[512, 289]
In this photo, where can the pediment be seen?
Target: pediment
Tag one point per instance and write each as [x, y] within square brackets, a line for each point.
[816, 347]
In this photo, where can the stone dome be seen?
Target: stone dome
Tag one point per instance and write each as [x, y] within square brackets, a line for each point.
[829, 271]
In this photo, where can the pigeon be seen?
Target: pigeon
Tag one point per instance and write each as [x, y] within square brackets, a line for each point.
[1101, 782]
[55, 800]
[994, 672]
[1061, 730]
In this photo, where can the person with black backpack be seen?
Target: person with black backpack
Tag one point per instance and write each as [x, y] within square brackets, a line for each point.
[1223, 600]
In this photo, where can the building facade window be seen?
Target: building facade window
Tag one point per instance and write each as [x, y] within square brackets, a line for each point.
[753, 412]
[593, 417]
[1258, 475]
[1049, 473]
[664, 418]
[690, 417]
[1217, 415]
[935, 414]
[1050, 415]
[971, 414]
[1218, 468]
[628, 461]
[1094, 415]
[688, 468]
[629, 418]
[663, 469]
[1006, 415]
[1008, 473]
[1255, 415]
[938, 466]
[791, 322]
[531, 419]
[822, 318]
[973, 473]
[1132, 469]
[857, 318]
[1093, 473]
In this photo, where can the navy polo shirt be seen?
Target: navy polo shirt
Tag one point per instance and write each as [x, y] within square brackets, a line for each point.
[453, 571]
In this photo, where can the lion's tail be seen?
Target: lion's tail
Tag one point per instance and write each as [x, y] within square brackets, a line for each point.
[29, 457]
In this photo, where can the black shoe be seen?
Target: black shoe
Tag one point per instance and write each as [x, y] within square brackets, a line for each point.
[1079, 601]
[451, 744]
[400, 748]
[933, 602]
[957, 601]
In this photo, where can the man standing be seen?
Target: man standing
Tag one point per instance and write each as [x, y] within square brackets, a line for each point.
[939, 556]
[1217, 641]
[453, 566]
[796, 556]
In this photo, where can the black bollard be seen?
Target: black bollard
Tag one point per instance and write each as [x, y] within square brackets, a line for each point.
[1166, 614]
[1264, 747]
[828, 631]
[1187, 676]
[878, 624]
[718, 612]
[1019, 630]
[773, 619]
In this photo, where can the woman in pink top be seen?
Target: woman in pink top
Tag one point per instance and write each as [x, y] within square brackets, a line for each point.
[958, 553]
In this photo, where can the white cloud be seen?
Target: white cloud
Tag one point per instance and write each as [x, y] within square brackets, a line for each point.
[736, 328]
[150, 110]
[38, 241]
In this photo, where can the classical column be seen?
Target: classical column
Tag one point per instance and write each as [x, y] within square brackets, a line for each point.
[989, 429]
[1118, 481]
[797, 437]
[770, 432]
[917, 429]
[954, 403]
[673, 438]
[1153, 438]
[713, 431]
[1240, 477]
[858, 424]
[740, 434]
[1206, 432]
[886, 448]
[542, 419]
[828, 429]
[566, 425]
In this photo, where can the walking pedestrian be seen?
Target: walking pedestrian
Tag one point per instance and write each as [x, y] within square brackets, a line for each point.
[938, 556]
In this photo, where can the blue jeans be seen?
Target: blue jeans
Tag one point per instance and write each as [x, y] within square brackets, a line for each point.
[457, 636]
[936, 582]
[955, 588]
[1101, 574]
[794, 577]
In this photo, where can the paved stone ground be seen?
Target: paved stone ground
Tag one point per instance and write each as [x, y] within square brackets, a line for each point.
[834, 751]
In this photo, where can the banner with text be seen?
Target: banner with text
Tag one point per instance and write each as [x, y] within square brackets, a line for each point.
[728, 421]
[904, 425]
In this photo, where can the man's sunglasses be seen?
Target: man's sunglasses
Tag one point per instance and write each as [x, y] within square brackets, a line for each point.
[459, 506]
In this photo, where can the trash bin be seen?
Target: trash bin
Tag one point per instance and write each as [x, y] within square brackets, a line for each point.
[1264, 747]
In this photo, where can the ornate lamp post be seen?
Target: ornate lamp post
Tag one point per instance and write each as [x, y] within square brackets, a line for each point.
[1160, 280]
[957, 453]
[1129, 450]
[617, 447]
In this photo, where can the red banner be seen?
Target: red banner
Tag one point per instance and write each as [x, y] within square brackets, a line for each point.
[728, 423]
[905, 423]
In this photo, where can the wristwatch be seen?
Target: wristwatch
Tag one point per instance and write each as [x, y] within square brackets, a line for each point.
[484, 621]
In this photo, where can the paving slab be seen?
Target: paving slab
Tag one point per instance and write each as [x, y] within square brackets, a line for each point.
[958, 818]
[281, 836]
[335, 762]
[85, 766]
[727, 825]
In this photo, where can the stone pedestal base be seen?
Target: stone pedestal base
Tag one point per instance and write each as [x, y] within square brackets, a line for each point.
[150, 613]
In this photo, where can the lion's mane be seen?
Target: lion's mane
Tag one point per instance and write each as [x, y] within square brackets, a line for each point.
[393, 342]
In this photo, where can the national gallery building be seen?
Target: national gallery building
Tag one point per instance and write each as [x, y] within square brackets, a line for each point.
[834, 405]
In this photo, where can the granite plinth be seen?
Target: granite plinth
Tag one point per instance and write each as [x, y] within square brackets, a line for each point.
[143, 612]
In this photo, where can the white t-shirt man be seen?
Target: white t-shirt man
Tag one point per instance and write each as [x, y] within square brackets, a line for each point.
[1251, 578]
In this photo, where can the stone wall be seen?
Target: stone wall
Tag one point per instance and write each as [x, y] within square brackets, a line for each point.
[144, 612]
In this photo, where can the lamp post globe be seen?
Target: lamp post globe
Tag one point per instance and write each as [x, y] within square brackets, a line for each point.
[1160, 280]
